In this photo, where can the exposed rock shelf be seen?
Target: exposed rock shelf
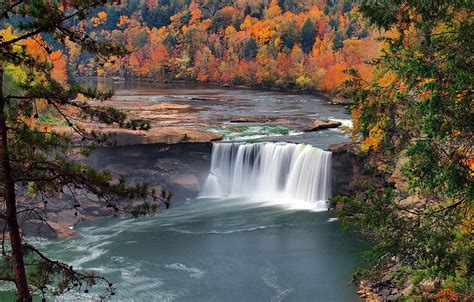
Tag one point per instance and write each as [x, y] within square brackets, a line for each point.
[322, 124]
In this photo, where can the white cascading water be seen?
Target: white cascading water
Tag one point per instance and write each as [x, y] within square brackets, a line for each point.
[295, 175]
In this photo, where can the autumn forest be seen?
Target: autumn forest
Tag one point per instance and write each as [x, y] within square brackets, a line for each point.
[236, 150]
[304, 45]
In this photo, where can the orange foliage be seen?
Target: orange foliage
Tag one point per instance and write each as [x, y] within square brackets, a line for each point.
[100, 19]
[273, 10]
[447, 295]
[334, 77]
[59, 72]
[195, 11]
[205, 45]
[37, 48]
[123, 21]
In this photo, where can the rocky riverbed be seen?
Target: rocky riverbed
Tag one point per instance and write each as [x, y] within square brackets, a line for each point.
[178, 168]
[197, 113]
[174, 154]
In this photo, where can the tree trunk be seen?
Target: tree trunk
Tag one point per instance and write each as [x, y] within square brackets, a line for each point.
[10, 203]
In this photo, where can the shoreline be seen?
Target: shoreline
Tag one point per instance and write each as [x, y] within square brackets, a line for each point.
[330, 97]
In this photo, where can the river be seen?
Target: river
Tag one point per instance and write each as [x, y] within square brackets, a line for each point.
[219, 250]
[234, 247]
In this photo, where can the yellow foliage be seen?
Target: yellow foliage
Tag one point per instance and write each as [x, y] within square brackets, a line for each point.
[387, 79]
[355, 114]
[247, 24]
[376, 135]
[273, 10]
[100, 19]
[230, 32]
[315, 13]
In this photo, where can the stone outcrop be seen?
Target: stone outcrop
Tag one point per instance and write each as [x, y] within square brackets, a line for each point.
[321, 125]
[349, 170]
[155, 135]
[169, 135]
[178, 168]
[380, 287]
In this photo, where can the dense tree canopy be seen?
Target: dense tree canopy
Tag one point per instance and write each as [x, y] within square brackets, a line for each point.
[416, 121]
[271, 43]
[412, 110]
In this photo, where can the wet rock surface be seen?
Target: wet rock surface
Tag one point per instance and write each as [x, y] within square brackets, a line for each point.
[349, 170]
[174, 154]
[177, 168]
[187, 113]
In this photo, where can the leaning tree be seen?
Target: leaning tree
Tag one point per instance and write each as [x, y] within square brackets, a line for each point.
[36, 158]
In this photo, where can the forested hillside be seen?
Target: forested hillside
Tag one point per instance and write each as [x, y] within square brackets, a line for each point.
[415, 123]
[287, 44]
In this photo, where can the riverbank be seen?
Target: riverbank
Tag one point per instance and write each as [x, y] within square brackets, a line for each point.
[176, 113]
[362, 178]
[184, 120]
[332, 97]
[180, 168]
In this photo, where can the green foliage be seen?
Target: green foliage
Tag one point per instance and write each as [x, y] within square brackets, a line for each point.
[36, 157]
[338, 40]
[251, 49]
[290, 36]
[308, 35]
[421, 103]
[47, 119]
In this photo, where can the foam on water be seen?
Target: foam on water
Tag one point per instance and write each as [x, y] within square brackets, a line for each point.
[193, 272]
[270, 279]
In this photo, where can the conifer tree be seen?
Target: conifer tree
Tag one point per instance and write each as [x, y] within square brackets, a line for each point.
[37, 157]
[308, 35]
[417, 117]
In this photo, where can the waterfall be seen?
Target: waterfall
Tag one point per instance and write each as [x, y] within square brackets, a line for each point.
[296, 175]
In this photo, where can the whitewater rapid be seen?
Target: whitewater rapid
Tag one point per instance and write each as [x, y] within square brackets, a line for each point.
[295, 175]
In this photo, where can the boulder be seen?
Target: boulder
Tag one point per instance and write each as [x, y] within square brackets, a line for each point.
[93, 197]
[256, 119]
[90, 205]
[340, 101]
[68, 217]
[189, 181]
[37, 228]
[322, 124]
[393, 298]
[57, 205]
[62, 231]
[407, 290]
[64, 196]
[428, 285]
[385, 293]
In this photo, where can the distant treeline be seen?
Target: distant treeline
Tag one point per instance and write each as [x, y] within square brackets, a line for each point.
[305, 45]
